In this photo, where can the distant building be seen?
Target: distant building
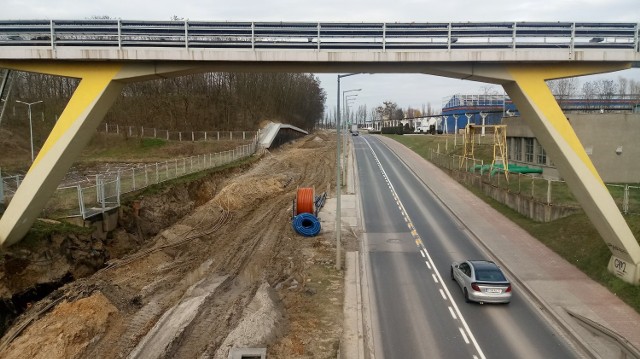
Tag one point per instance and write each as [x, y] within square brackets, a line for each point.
[610, 139]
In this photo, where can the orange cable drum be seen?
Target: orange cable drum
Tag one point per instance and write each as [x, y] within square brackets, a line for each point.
[305, 200]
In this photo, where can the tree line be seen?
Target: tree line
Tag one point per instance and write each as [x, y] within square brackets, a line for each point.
[207, 101]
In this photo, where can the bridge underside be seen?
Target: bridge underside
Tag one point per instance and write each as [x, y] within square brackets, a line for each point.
[101, 83]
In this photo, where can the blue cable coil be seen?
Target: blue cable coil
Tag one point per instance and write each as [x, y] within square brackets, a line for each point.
[306, 224]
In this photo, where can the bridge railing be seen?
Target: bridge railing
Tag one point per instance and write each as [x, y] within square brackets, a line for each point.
[320, 35]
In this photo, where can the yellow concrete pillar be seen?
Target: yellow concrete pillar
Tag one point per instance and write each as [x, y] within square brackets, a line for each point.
[543, 115]
[75, 127]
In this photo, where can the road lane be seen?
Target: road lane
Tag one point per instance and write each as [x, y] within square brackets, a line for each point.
[416, 318]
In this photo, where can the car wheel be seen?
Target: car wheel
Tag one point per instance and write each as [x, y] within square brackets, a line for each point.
[466, 296]
[452, 277]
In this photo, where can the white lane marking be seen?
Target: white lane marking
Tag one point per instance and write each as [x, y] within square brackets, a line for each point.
[428, 265]
[453, 314]
[435, 269]
[443, 295]
[422, 252]
[435, 279]
[464, 335]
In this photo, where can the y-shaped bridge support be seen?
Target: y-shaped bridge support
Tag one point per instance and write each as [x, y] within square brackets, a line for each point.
[542, 113]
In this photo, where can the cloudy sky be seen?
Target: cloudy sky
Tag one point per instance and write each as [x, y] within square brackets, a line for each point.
[406, 90]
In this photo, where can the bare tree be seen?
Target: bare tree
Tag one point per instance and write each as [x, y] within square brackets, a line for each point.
[564, 89]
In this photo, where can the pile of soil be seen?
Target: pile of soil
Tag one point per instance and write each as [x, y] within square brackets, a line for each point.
[273, 288]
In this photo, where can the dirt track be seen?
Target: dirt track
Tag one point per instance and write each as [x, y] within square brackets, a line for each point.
[231, 271]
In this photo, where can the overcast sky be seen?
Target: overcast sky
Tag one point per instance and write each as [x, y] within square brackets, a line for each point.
[406, 90]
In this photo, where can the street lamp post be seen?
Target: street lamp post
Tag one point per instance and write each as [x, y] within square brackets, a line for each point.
[338, 180]
[30, 123]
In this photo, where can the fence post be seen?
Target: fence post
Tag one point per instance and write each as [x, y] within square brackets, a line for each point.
[80, 201]
[157, 174]
[106, 128]
[133, 178]
[192, 137]
[205, 135]
[533, 184]
[243, 136]
[166, 169]
[190, 164]
[146, 176]
[180, 136]
[625, 200]
[167, 135]
[218, 133]
[548, 191]
[117, 129]
[176, 165]
[118, 189]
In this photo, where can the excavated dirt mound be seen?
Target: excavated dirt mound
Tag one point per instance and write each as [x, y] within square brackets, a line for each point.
[221, 258]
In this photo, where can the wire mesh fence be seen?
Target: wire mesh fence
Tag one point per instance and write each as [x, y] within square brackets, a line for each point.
[535, 187]
[147, 132]
[85, 200]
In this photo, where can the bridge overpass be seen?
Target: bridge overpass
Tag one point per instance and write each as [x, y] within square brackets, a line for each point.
[520, 56]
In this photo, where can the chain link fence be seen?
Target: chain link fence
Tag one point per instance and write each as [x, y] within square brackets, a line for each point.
[536, 188]
[87, 200]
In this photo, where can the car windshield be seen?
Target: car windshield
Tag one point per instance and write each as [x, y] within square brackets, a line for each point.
[490, 275]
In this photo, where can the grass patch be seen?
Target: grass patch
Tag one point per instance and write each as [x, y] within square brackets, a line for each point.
[574, 238]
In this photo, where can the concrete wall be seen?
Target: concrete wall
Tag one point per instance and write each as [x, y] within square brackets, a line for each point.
[527, 206]
[601, 135]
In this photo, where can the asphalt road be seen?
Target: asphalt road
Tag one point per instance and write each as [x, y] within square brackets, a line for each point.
[410, 240]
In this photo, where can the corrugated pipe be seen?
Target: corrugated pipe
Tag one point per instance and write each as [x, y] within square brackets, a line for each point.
[305, 201]
[306, 224]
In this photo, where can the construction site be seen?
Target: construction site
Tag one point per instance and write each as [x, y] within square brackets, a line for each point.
[196, 267]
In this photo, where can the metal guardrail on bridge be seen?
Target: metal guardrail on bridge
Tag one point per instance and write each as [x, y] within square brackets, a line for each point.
[320, 35]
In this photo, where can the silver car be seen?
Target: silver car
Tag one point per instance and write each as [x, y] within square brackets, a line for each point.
[481, 281]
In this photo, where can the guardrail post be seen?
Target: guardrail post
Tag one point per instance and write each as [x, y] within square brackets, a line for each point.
[573, 37]
[253, 35]
[186, 34]
[384, 37]
[119, 33]
[52, 34]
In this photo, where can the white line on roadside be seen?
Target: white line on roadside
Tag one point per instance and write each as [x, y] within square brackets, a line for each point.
[443, 295]
[435, 279]
[453, 314]
[464, 335]
[422, 252]
[428, 265]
